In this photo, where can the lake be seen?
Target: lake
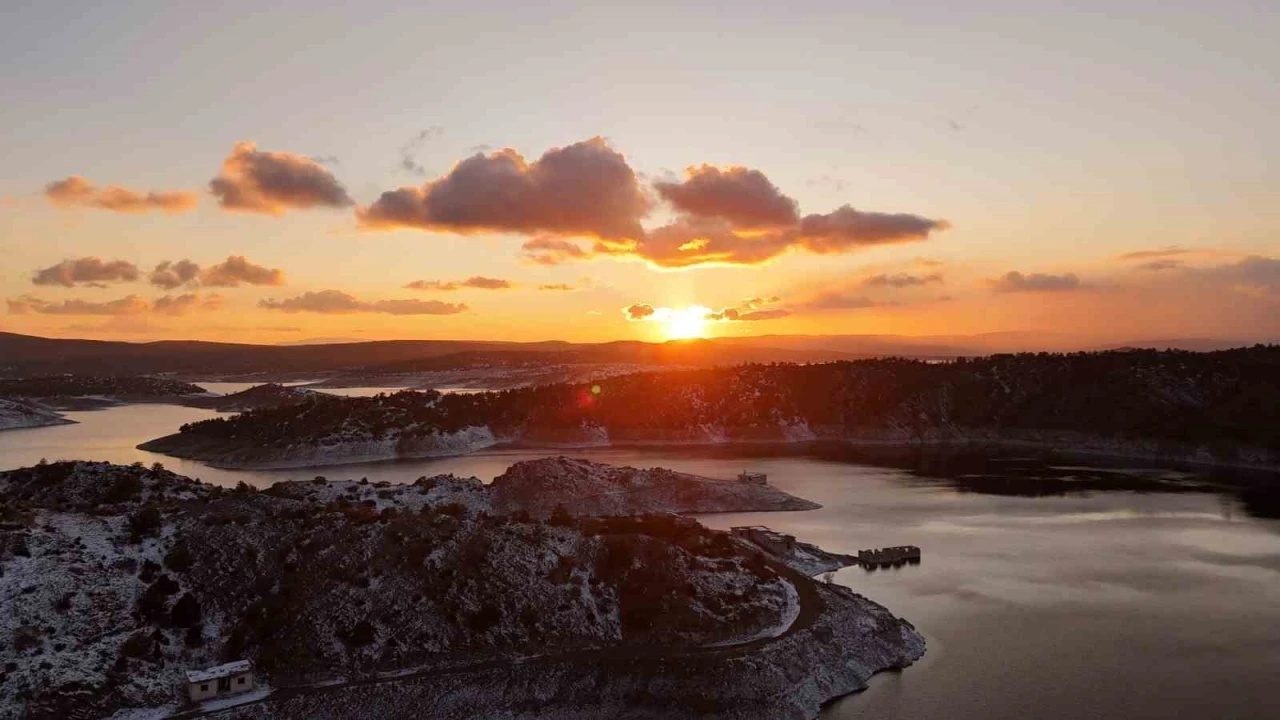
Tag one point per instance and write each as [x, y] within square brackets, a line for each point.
[1048, 589]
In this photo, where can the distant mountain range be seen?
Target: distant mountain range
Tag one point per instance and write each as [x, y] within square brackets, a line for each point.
[25, 355]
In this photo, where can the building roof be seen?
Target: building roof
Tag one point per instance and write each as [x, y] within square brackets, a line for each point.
[218, 671]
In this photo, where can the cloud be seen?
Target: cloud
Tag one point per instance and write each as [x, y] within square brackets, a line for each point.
[692, 241]
[237, 270]
[336, 302]
[325, 159]
[1165, 252]
[734, 314]
[1014, 281]
[271, 183]
[1156, 265]
[170, 275]
[638, 311]
[128, 305]
[586, 282]
[552, 251]
[409, 150]
[846, 229]
[752, 310]
[76, 191]
[476, 281]
[724, 216]
[91, 271]
[834, 183]
[184, 304]
[584, 189]
[742, 197]
[1255, 276]
[901, 280]
[929, 262]
[748, 312]
[836, 300]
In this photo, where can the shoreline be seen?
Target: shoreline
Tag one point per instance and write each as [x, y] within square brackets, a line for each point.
[1078, 446]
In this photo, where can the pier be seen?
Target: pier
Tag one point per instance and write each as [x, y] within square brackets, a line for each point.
[898, 555]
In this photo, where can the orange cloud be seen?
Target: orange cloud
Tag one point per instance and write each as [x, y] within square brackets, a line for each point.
[638, 311]
[1165, 252]
[585, 189]
[237, 270]
[336, 302]
[901, 280]
[184, 304]
[92, 271]
[476, 281]
[837, 300]
[170, 275]
[552, 251]
[76, 191]
[272, 183]
[128, 305]
[1014, 281]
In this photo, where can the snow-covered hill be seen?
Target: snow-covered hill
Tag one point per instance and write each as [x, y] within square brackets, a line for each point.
[117, 578]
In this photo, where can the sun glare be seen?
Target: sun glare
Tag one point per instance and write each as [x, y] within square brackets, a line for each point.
[688, 323]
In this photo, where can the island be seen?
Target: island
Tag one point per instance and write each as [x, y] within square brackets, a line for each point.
[354, 599]
[1219, 407]
[93, 392]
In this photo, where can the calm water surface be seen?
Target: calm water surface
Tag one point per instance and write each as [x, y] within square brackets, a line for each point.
[1081, 604]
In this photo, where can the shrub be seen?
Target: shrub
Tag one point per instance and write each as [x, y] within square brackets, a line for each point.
[186, 612]
[560, 517]
[145, 522]
[123, 489]
[485, 618]
[360, 635]
[18, 546]
[179, 558]
[136, 646]
[25, 638]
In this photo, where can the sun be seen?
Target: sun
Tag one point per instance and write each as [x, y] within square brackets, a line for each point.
[685, 324]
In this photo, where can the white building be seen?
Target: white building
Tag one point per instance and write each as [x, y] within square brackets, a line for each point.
[219, 681]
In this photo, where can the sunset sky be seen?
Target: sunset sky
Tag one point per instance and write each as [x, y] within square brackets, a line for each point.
[276, 172]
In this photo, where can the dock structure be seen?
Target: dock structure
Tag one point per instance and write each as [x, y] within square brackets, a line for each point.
[897, 555]
[771, 540]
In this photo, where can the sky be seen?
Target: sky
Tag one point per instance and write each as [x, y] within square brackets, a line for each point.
[278, 172]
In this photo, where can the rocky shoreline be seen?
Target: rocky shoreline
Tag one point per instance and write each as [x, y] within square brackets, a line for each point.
[15, 415]
[850, 639]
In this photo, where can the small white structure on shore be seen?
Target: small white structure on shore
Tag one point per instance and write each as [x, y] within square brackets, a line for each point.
[219, 681]
[753, 478]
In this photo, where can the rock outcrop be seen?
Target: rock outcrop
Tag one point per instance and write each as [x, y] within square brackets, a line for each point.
[584, 488]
